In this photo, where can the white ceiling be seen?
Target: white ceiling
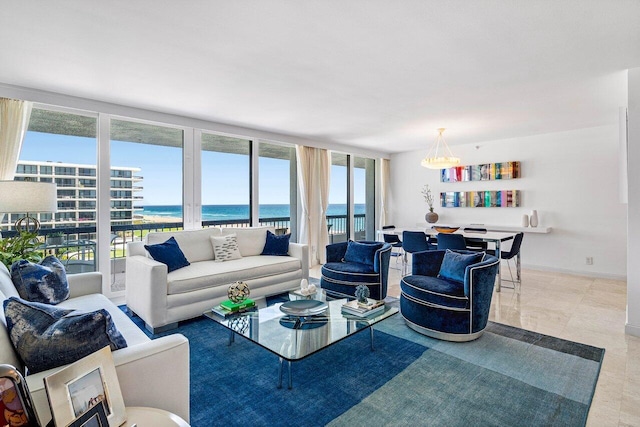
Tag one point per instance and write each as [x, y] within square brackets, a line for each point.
[376, 74]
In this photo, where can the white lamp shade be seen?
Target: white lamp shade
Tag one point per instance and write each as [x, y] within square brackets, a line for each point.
[28, 197]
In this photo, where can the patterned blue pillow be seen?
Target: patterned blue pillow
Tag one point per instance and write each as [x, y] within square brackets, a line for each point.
[454, 264]
[276, 245]
[362, 253]
[45, 282]
[168, 253]
[46, 337]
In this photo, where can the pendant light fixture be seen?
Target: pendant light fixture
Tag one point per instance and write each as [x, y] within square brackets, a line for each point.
[440, 157]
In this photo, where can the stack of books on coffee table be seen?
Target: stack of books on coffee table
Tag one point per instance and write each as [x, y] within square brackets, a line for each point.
[370, 308]
[228, 307]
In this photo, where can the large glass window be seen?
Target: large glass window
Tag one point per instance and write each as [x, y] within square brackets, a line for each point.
[338, 210]
[277, 177]
[226, 178]
[56, 146]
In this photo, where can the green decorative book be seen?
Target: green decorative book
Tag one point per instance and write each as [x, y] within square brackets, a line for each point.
[236, 306]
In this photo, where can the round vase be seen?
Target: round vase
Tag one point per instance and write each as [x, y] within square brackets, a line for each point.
[525, 220]
[533, 219]
[431, 217]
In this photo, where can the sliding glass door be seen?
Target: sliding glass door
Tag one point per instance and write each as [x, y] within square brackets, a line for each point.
[277, 187]
[145, 186]
[338, 211]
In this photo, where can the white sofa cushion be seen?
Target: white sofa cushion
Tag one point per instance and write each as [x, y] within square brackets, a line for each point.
[195, 244]
[6, 284]
[206, 274]
[250, 240]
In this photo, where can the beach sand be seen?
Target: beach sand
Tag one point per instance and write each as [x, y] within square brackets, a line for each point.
[160, 218]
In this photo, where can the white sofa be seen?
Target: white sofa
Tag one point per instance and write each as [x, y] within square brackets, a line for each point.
[152, 373]
[163, 299]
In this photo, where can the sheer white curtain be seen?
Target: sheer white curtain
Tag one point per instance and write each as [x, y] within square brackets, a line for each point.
[385, 174]
[313, 183]
[14, 121]
[324, 166]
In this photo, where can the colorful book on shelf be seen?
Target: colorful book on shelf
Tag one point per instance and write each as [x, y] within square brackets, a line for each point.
[237, 306]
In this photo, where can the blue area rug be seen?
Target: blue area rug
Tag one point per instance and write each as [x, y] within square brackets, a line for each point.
[507, 377]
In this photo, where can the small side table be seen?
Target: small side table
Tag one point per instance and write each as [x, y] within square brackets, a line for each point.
[152, 417]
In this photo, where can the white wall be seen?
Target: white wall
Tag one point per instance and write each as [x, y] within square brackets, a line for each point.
[633, 272]
[571, 178]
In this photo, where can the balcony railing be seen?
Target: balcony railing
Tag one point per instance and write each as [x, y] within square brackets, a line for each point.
[81, 242]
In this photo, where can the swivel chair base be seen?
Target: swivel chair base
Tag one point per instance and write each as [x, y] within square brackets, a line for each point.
[444, 336]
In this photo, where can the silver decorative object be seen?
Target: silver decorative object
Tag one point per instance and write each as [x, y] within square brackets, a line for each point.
[362, 293]
[238, 292]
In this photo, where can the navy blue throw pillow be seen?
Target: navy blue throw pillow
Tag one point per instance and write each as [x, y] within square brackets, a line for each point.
[46, 337]
[168, 253]
[276, 245]
[454, 265]
[45, 282]
[362, 253]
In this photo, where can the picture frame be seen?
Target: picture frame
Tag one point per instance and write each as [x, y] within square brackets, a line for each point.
[16, 399]
[94, 417]
[79, 387]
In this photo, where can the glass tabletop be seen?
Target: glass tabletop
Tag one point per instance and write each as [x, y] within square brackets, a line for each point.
[294, 338]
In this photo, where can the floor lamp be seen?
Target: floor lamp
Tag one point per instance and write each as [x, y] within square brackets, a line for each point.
[28, 197]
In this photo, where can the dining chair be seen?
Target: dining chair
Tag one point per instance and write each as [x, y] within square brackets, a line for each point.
[394, 241]
[451, 241]
[475, 244]
[513, 252]
[413, 241]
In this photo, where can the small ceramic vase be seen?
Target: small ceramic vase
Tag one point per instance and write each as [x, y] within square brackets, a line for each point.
[533, 220]
[431, 217]
[525, 220]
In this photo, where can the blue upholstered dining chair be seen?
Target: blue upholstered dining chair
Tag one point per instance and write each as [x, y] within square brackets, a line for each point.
[475, 244]
[514, 252]
[350, 264]
[451, 241]
[413, 241]
[448, 295]
[394, 241]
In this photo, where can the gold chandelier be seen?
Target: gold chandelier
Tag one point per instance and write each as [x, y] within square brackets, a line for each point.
[445, 160]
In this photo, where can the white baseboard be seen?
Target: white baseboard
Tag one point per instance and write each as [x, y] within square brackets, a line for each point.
[632, 330]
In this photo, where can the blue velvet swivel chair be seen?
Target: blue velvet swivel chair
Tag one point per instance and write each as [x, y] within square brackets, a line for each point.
[350, 264]
[448, 296]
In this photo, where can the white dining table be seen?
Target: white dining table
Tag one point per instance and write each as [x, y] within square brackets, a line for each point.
[495, 237]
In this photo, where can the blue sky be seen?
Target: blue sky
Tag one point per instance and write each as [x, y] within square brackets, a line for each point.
[225, 177]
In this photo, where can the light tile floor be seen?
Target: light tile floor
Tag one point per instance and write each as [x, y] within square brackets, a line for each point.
[582, 309]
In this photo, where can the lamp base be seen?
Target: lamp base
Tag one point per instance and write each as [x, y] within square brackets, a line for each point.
[27, 224]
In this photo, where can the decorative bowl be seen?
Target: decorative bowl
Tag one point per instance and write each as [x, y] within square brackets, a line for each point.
[304, 307]
[443, 229]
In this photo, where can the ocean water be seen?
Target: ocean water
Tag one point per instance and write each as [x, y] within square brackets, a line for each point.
[228, 212]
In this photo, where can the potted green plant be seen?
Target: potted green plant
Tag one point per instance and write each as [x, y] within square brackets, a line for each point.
[22, 246]
[56, 238]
